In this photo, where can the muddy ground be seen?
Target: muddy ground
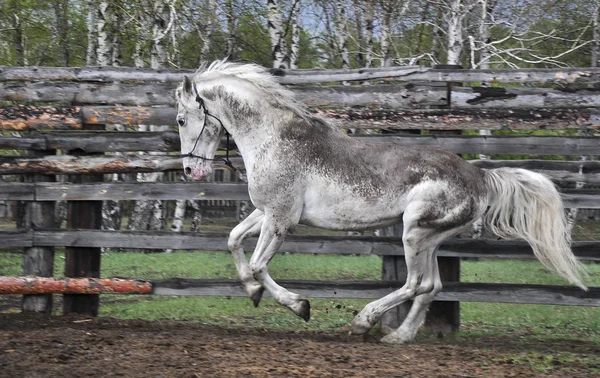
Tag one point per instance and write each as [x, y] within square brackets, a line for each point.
[41, 346]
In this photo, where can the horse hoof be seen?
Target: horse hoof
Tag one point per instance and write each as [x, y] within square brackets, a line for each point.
[360, 325]
[256, 296]
[302, 309]
[394, 338]
[359, 329]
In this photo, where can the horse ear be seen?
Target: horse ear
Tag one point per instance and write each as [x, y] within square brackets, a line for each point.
[187, 85]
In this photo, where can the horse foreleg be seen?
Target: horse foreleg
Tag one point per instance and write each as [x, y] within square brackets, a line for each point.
[271, 237]
[416, 316]
[250, 226]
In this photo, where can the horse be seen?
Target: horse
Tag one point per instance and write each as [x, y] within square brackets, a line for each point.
[301, 169]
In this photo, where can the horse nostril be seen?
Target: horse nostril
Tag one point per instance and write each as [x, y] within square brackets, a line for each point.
[188, 171]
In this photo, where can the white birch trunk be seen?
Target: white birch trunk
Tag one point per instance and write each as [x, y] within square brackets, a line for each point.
[161, 25]
[342, 32]
[386, 25]
[231, 29]
[369, 27]
[275, 26]
[92, 33]
[175, 54]
[104, 19]
[206, 32]
[454, 25]
[596, 34]
[117, 43]
[295, 48]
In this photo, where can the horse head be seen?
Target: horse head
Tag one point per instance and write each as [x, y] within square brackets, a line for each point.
[199, 131]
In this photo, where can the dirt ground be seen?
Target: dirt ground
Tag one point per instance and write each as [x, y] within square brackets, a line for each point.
[41, 346]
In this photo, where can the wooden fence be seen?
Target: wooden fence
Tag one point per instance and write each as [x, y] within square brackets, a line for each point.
[60, 113]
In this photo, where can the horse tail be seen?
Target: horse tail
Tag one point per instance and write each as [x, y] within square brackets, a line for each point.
[526, 205]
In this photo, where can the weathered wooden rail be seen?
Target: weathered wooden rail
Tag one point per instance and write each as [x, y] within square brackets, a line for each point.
[58, 142]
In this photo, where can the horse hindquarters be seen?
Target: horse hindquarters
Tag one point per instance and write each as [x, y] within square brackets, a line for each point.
[526, 205]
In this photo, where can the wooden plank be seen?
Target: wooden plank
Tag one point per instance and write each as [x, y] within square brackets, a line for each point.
[128, 115]
[489, 145]
[375, 96]
[141, 191]
[522, 98]
[404, 73]
[464, 292]
[314, 244]
[17, 191]
[74, 93]
[21, 117]
[122, 141]
[69, 164]
[195, 191]
[16, 238]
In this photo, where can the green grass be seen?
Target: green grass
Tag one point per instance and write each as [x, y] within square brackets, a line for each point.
[327, 314]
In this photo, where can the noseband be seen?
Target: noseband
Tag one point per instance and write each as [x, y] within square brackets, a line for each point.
[191, 154]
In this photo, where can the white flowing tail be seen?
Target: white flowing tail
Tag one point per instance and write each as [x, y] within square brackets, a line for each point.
[526, 205]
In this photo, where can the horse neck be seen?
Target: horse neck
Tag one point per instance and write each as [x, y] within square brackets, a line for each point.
[253, 124]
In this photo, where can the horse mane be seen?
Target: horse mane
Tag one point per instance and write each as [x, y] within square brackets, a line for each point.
[261, 78]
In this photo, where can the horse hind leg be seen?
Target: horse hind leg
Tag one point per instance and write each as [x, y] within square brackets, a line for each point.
[250, 226]
[416, 316]
[421, 239]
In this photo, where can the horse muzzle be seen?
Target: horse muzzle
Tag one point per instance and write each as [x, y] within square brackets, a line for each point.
[197, 170]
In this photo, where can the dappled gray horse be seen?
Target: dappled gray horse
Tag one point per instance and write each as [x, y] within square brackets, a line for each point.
[302, 169]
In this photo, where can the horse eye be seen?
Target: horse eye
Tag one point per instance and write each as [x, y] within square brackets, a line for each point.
[181, 121]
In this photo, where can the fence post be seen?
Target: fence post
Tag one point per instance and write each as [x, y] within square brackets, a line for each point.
[38, 261]
[83, 261]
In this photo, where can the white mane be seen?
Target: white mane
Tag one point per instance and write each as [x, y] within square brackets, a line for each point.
[257, 75]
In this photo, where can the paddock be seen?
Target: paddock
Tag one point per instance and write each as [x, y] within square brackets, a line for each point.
[71, 139]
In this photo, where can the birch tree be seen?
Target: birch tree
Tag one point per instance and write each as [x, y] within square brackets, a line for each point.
[279, 50]
[92, 32]
[61, 13]
[295, 48]
[341, 25]
[231, 29]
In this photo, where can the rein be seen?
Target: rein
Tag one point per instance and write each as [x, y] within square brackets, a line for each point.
[202, 106]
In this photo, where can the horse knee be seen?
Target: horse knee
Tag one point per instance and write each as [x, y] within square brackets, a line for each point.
[233, 243]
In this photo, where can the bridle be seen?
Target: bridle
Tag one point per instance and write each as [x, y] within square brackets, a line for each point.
[202, 107]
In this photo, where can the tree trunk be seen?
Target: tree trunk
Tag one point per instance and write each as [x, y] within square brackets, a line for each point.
[454, 25]
[231, 29]
[205, 32]
[369, 27]
[596, 34]
[104, 51]
[386, 25]
[92, 33]
[278, 43]
[161, 25]
[61, 12]
[295, 48]
[18, 32]
[342, 32]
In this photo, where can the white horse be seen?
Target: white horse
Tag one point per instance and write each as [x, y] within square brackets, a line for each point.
[302, 169]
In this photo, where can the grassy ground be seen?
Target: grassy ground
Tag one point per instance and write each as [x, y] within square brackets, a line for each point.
[477, 318]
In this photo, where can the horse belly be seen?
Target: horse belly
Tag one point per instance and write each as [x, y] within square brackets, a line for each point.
[348, 212]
